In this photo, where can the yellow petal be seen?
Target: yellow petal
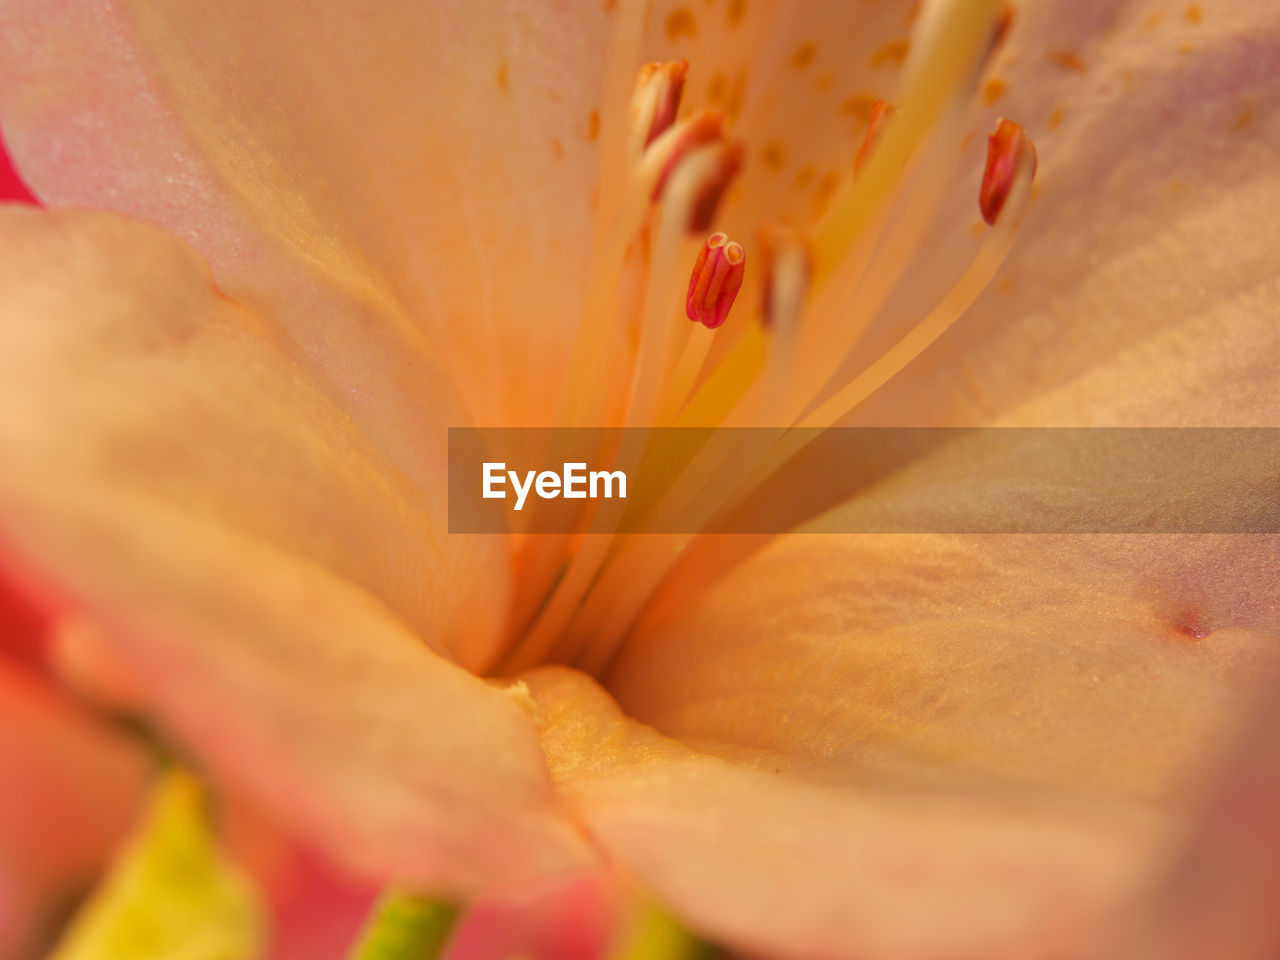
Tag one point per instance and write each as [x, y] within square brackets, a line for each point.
[172, 894]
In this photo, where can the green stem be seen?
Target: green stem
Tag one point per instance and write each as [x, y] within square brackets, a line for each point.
[403, 927]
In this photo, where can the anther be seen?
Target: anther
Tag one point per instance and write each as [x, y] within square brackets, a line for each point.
[704, 127]
[1009, 152]
[787, 265]
[656, 100]
[881, 113]
[715, 280]
[724, 162]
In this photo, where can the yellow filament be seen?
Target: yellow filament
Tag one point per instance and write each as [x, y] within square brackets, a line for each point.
[948, 50]
[673, 250]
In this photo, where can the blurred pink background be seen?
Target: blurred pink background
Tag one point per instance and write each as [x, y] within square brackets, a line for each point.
[11, 188]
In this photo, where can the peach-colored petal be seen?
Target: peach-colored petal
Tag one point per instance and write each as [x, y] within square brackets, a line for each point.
[1143, 288]
[781, 864]
[1102, 665]
[1220, 897]
[440, 153]
[266, 575]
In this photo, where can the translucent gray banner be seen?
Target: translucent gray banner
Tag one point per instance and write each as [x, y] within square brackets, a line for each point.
[888, 480]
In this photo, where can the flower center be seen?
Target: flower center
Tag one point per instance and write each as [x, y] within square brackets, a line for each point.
[638, 362]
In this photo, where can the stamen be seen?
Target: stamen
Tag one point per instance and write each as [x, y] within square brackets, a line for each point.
[787, 264]
[656, 101]
[951, 45]
[1008, 149]
[715, 280]
[882, 111]
[666, 152]
[821, 291]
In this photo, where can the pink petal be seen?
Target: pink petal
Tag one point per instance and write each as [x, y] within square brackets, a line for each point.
[1143, 287]
[437, 155]
[68, 792]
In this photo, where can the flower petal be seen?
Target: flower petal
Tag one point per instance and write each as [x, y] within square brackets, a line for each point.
[441, 153]
[778, 866]
[254, 563]
[1219, 900]
[1101, 665]
[69, 789]
[1142, 289]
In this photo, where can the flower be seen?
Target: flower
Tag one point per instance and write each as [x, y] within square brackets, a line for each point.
[233, 475]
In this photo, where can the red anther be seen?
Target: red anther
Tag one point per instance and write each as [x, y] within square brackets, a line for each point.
[656, 100]
[882, 111]
[1008, 150]
[728, 162]
[702, 128]
[780, 246]
[715, 280]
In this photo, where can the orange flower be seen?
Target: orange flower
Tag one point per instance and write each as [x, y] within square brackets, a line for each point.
[883, 746]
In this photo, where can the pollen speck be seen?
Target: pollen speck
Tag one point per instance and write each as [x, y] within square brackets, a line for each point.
[993, 91]
[681, 23]
[1193, 14]
[501, 76]
[1066, 60]
[805, 175]
[891, 53]
[717, 88]
[593, 124]
[826, 80]
[1153, 19]
[803, 56]
[1056, 118]
[1243, 119]
[772, 156]
[825, 191]
[858, 106]
[737, 10]
[557, 148]
[1174, 187]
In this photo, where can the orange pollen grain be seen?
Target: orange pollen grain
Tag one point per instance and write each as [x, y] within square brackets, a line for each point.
[1066, 60]
[894, 52]
[803, 56]
[681, 23]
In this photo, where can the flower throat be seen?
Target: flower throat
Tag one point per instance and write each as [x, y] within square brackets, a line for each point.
[651, 359]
